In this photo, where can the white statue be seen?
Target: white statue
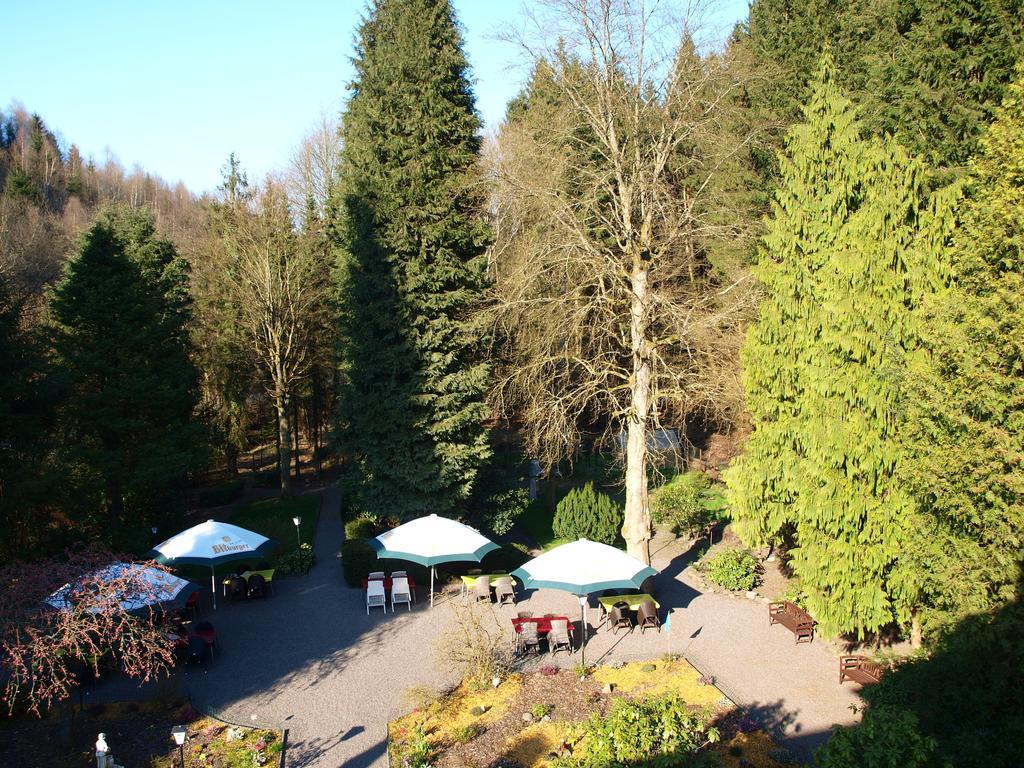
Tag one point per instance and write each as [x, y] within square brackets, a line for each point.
[102, 757]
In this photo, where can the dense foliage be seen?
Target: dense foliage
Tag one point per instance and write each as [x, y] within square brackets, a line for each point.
[843, 267]
[686, 503]
[735, 569]
[654, 731]
[410, 263]
[120, 338]
[503, 509]
[584, 513]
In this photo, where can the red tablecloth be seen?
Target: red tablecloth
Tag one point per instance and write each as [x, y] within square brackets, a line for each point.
[387, 583]
[543, 623]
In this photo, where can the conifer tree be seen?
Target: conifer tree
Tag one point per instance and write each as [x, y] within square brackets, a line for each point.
[966, 397]
[842, 267]
[120, 339]
[411, 264]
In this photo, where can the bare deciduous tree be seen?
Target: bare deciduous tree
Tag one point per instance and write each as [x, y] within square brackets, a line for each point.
[276, 283]
[314, 167]
[619, 294]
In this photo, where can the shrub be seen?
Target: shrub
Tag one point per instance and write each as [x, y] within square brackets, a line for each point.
[296, 562]
[539, 710]
[502, 509]
[466, 733]
[361, 527]
[887, 736]
[357, 560]
[410, 748]
[475, 644]
[638, 732]
[587, 514]
[734, 569]
[684, 502]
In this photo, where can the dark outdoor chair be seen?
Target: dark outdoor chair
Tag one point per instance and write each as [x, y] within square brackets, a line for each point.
[197, 652]
[504, 590]
[558, 637]
[647, 616]
[204, 631]
[528, 637]
[239, 588]
[482, 588]
[621, 617]
[257, 585]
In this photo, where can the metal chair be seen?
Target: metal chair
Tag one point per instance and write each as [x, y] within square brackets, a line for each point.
[558, 637]
[621, 618]
[257, 585]
[375, 597]
[239, 588]
[482, 588]
[504, 589]
[647, 616]
[400, 592]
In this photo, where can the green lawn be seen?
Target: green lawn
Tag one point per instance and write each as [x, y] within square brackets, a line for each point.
[537, 523]
[273, 519]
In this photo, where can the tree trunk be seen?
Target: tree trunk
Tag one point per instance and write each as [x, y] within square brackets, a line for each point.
[231, 457]
[295, 430]
[636, 527]
[915, 629]
[284, 441]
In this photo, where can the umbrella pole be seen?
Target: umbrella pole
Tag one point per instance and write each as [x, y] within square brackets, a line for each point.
[213, 585]
[431, 586]
[583, 631]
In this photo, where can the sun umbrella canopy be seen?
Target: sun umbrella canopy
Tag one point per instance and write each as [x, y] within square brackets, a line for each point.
[582, 567]
[212, 543]
[151, 588]
[432, 540]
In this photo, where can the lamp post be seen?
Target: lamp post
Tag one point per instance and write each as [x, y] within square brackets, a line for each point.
[179, 732]
[298, 537]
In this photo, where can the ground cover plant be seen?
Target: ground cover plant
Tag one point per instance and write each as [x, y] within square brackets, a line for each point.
[552, 717]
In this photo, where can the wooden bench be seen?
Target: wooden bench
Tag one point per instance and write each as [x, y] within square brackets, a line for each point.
[860, 669]
[793, 618]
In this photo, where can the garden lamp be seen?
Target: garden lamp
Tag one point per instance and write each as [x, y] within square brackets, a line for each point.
[179, 732]
[298, 537]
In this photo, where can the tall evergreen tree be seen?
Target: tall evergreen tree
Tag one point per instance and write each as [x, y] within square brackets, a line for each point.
[119, 337]
[411, 263]
[930, 72]
[966, 397]
[842, 267]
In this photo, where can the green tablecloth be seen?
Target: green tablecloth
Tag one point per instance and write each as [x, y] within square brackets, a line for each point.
[633, 601]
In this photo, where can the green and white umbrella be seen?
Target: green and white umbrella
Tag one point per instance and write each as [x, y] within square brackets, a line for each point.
[583, 567]
[211, 544]
[433, 540]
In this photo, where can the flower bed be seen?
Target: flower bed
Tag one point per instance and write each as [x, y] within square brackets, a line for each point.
[139, 734]
[534, 719]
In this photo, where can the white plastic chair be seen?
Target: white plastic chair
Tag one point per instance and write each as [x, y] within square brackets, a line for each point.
[400, 592]
[375, 596]
[375, 576]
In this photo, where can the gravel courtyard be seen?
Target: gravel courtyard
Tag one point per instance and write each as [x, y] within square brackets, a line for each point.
[309, 659]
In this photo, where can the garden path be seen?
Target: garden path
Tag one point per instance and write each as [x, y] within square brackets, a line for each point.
[309, 659]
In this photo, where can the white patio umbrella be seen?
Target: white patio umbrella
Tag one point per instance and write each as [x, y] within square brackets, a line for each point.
[156, 588]
[583, 567]
[211, 544]
[433, 540]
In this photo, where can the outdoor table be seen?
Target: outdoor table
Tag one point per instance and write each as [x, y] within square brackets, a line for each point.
[633, 601]
[469, 581]
[266, 573]
[543, 624]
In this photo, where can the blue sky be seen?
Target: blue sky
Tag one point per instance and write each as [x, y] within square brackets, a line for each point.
[176, 86]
